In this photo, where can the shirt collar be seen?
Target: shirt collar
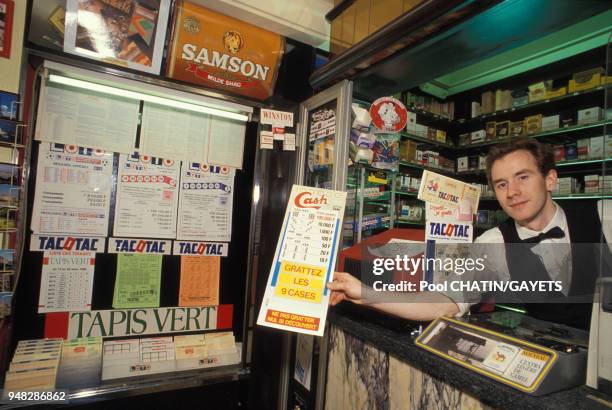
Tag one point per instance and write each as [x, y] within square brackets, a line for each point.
[558, 219]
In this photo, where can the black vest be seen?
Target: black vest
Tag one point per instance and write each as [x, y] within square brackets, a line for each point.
[584, 227]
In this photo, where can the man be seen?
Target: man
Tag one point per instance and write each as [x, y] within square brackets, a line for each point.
[523, 178]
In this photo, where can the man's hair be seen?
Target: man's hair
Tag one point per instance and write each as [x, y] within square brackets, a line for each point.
[542, 153]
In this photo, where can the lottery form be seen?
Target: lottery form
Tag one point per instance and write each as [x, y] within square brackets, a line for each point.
[296, 297]
[205, 205]
[147, 197]
[67, 281]
[73, 189]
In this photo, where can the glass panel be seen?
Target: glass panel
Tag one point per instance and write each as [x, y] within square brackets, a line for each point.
[321, 139]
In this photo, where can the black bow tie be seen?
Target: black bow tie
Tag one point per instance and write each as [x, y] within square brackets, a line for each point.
[553, 233]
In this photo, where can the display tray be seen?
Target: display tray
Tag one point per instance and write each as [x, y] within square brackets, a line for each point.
[135, 386]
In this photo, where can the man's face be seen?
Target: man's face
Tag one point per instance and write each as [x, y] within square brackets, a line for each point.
[520, 187]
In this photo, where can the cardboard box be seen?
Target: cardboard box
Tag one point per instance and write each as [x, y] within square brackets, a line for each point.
[478, 136]
[605, 184]
[550, 123]
[411, 123]
[482, 162]
[440, 136]
[475, 109]
[520, 97]
[559, 92]
[591, 184]
[582, 148]
[464, 139]
[473, 161]
[462, 164]
[571, 151]
[585, 80]
[490, 130]
[533, 124]
[421, 131]
[568, 118]
[537, 92]
[517, 128]
[596, 147]
[589, 115]
[408, 150]
[431, 133]
[502, 129]
[559, 151]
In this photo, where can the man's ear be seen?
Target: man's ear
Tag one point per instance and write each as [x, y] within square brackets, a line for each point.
[551, 180]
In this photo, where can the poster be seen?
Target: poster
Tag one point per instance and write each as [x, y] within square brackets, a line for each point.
[6, 27]
[138, 281]
[189, 131]
[199, 280]
[73, 190]
[128, 33]
[296, 297]
[218, 51]
[442, 190]
[206, 203]
[147, 197]
[67, 281]
[226, 142]
[86, 118]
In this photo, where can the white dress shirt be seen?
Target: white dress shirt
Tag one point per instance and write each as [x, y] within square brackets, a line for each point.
[556, 259]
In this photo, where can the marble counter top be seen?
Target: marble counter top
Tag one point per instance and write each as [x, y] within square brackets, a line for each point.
[397, 340]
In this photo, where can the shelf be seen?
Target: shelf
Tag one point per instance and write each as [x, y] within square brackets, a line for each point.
[426, 140]
[583, 196]
[410, 194]
[538, 135]
[419, 166]
[429, 115]
[534, 104]
[150, 384]
[411, 223]
[570, 196]
[580, 162]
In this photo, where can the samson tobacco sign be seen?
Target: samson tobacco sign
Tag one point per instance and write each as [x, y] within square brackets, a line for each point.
[218, 51]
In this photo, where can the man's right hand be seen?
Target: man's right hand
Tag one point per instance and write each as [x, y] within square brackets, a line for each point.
[344, 287]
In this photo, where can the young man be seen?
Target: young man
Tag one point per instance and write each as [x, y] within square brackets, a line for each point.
[523, 177]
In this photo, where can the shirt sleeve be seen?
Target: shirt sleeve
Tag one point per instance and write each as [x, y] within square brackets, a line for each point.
[495, 264]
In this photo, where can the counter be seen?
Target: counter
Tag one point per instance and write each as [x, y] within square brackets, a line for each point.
[371, 366]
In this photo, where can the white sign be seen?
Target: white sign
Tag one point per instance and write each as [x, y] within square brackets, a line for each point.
[296, 297]
[87, 119]
[148, 246]
[139, 322]
[73, 189]
[266, 140]
[276, 118]
[205, 204]
[443, 230]
[147, 197]
[200, 248]
[67, 243]
[67, 281]
[189, 132]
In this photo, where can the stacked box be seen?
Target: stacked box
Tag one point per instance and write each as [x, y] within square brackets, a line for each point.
[582, 148]
[567, 185]
[591, 184]
[589, 115]
[550, 123]
[34, 365]
[596, 147]
[462, 164]
[81, 363]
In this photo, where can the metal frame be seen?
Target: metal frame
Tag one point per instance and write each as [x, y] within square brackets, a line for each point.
[341, 92]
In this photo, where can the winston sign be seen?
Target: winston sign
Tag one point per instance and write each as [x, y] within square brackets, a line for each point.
[136, 322]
